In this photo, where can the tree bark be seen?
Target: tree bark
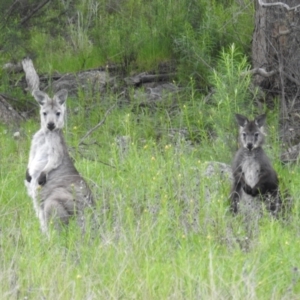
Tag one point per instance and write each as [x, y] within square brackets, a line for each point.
[276, 49]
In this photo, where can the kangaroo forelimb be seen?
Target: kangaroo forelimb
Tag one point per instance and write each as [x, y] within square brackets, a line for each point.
[42, 179]
[27, 176]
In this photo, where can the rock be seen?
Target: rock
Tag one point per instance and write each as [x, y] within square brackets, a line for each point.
[16, 135]
[222, 170]
[89, 81]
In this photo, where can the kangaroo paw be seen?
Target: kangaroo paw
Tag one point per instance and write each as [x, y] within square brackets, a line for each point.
[42, 179]
[27, 176]
[247, 188]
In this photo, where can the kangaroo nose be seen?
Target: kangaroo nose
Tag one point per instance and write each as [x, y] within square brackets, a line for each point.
[51, 126]
[250, 146]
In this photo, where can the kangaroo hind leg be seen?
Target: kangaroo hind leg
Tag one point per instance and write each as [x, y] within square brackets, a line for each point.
[59, 208]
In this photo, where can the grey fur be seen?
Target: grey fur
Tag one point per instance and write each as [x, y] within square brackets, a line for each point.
[57, 189]
[32, 78]
[255, 180]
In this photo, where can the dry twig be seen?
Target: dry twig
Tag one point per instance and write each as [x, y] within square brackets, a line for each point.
[98, 125]
[263, 4]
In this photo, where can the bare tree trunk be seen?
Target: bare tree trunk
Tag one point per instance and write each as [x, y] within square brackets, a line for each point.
[276, 50]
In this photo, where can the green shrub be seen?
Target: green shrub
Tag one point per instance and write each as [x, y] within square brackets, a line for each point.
[210, 27]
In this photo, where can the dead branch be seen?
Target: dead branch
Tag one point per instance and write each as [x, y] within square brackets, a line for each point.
[260, 71]
[98, 125]
[7, 114]
[93, 159]
[263, 4]
[35, 10]
[291, 78]
[9, 98]
[12, 68]
[10, 9]
[144, 77]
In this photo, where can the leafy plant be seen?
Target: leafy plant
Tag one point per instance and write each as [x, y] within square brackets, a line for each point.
[200, 39]
[231, 95]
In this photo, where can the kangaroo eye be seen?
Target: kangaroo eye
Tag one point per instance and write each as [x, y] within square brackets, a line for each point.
[45, 114]
[256, 135]
[244, 135]
[58, 114]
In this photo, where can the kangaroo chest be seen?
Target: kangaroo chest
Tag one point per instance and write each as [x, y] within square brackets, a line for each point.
[45, 149]
[251, 170]
[39, 156]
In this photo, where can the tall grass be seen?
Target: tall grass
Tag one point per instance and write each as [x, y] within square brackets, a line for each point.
[73, 35]
[164, 227]
[164, 230]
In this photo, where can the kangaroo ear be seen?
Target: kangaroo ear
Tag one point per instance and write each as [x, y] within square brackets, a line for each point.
[40, 97]
[61, 96]
[241, 120]
[260, 120]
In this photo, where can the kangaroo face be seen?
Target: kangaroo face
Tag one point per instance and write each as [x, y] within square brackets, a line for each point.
[251, 132]
[52, 110]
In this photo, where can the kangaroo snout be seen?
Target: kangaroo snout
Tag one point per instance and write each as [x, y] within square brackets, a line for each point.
[250, 146]
[51, 126]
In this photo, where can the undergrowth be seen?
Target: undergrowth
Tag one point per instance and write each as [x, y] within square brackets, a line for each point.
[69, 36]
[164, 230]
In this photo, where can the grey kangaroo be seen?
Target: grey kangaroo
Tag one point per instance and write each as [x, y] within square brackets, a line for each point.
[254, 176]
[57, 189]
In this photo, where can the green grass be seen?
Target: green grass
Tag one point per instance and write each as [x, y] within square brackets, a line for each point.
[164, 228]
[77, 35]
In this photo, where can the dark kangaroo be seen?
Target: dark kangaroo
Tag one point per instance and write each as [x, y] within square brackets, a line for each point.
[253, 175]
